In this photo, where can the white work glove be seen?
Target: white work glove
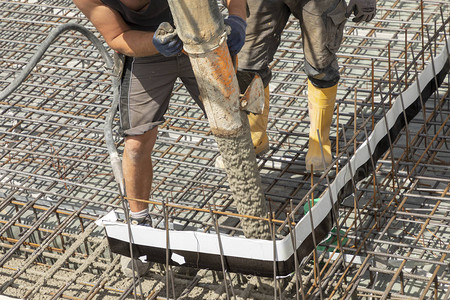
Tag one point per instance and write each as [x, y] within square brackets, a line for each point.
[364, 10]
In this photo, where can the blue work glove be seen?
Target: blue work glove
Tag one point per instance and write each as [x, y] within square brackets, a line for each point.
[236, 35]
[364, 10]
[166, 40]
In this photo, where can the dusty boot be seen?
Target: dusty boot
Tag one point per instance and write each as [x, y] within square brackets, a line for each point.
[258, 131]
[321, 107]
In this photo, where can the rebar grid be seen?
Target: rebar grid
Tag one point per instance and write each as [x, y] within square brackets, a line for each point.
[56, 179]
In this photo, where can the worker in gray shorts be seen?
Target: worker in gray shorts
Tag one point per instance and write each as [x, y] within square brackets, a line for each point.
[322, 24]
[135, 29]
[146, 89]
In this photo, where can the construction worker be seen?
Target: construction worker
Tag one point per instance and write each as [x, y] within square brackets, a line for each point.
[322, 24]
[151, 67]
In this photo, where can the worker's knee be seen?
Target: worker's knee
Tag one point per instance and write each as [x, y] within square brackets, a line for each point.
[323, 78]
[139, 146]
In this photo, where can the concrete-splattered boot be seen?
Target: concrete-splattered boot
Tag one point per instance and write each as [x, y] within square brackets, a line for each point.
[321, 107]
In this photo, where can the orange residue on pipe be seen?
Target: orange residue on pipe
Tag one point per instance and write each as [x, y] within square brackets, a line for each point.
[222, 69]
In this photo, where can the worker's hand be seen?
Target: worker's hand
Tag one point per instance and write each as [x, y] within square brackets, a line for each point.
[166, 40]
[364, 10]
[236, 34]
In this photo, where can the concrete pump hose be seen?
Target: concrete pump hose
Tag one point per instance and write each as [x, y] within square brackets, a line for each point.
[200, 26]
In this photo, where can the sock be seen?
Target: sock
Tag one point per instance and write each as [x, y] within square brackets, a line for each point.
[139, 215]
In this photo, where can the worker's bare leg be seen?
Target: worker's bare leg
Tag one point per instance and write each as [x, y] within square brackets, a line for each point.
[138, 169]
[138, 173]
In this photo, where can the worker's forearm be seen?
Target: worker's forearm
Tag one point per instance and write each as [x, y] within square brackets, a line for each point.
[134, 43]
[237, 8]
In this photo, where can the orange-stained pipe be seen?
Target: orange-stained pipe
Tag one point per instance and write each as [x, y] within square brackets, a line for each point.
[200, 26]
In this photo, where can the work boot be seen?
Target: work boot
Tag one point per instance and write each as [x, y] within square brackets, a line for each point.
[140, 267]
[321, 108]
[144, 221]
[258, 131]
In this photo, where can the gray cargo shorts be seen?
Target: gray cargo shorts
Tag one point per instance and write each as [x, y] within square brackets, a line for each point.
[322, 23]
[146, 88]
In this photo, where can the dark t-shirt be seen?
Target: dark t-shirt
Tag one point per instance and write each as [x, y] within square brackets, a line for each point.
[147, 20]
